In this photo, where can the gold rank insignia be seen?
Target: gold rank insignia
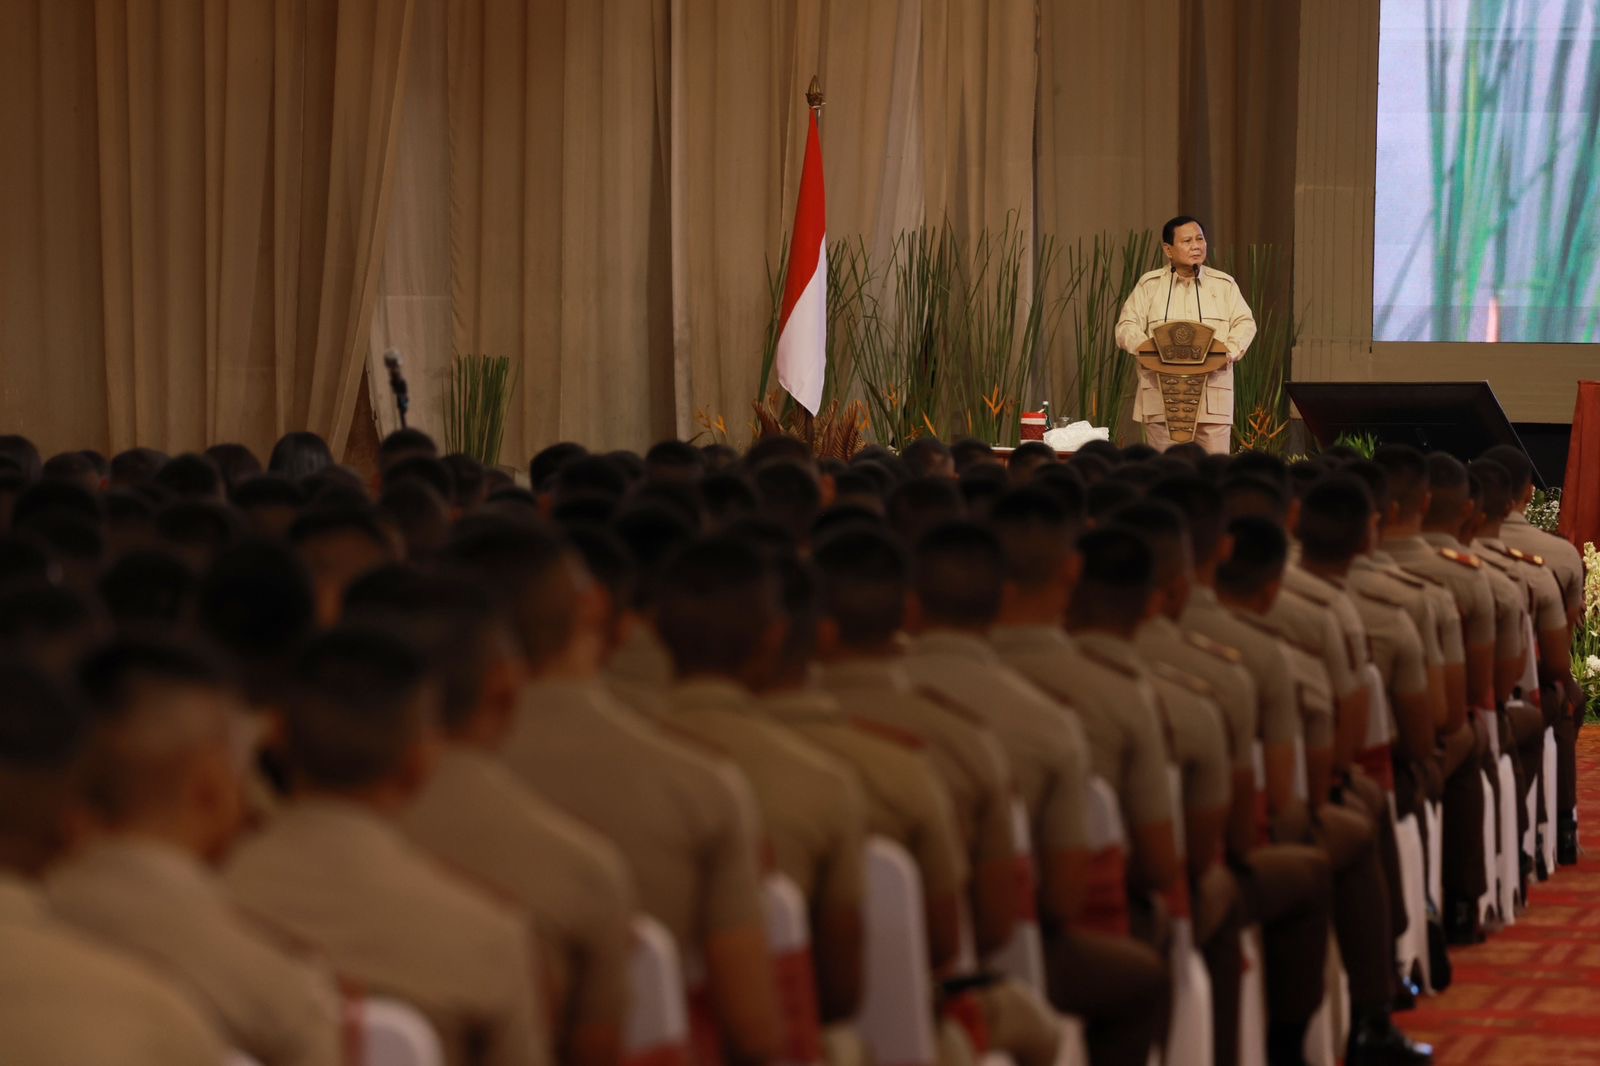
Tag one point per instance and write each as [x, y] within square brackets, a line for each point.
[1462, 558]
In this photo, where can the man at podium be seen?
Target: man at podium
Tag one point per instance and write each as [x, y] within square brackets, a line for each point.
[1187, 291]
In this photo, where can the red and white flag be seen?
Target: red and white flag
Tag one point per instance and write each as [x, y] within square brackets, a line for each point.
[803, 328]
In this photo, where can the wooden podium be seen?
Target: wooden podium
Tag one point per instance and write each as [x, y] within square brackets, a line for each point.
[1180, 355]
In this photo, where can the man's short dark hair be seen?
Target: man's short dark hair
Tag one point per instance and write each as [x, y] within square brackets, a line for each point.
[1163, 527]
[916, 506]
[1517, 465]
[727, 495]
[1117, 582]
[608, 561]
[1407, 470]
[191, 476]
[21, 453]
[674, 460]
[1495, 482]
[1251, 494]
[235, 462]
[544, 466]
[1334, 518]
[1030, 455]
[789, 494]
[149, 587]
[1260, 464]
[1201, 507]
[1139, 452]
[652, 533]
[778, 449]
[420, 514]
[958, 571]
[321, 521]
[1036, 534]
[969, 451]
[1260, 551]
[403, 444]
[298, 455]
[1374, 478]
[864, 576]
[135, 466]
[43, 497]
[358, 708]
[256, 604]
[427, 469]
[925, 455]
[1108, 495]
[70, 466]
[717, 597]
[44, 730]
[524, 568]
[267, 490]
[590, 475]
[1450, 486]
[468, 476]
[1169, 228]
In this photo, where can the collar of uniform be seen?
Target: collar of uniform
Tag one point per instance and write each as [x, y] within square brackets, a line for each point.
[1158, 630]
[1029, 638]
[1109, 646]
[942, 643]
[1515, 518]
[1204, 596]
[20, 900]
[797, 704]
[1396, 547]
[1494, 544]
[1378, 558]
[144, 857]
[1442, 540]
[865, 673]
[557, 696]
[354, 823]
[641, 658]
[710, 694]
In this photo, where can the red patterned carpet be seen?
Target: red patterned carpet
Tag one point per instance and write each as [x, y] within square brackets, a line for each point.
[1531, 995]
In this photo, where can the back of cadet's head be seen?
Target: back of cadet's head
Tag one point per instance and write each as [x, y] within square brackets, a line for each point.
[1109, 494]
[51, 625]
[1066, 484]
[1305, 473]
[420, 514]
[727, 495]
[778, 449]
[1036, 534]
[1029, 456]
[789, 494]
[543, 467]
[256, 603]
[674, 460]
[135, 466]
[404, 444]
[1495, 488]
[958, 574]
[1260, 552]
[717, 608]
[611, 565]
[918, 505]
[149, 587]
[1374, 478]
[1090, 468]
[1201, 506]
[1164, 529]
[1450, 490]
[589, 475]
[801, 601]
[235, 462]
[426, 469]
[44, 731]
[929, 457]
[1254, 496]
[162, 726]
[864, 576]
[21, 453]
[1118, 578]
[969, 452]
[981, 485]
[1188, 453]
[191, 477]
[73, 468]
[446, 617]
[1103, 450]
[363, 706]
[1262, 465]
[1139, 452]
[299, 455]
[532, 576]
[1407, 471]
[1517, 465]
[1335, 520]
[652, 533]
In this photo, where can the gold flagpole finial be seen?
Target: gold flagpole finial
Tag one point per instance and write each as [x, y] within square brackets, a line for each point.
[814, 97]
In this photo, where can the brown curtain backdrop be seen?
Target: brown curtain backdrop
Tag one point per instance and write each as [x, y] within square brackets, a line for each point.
[239, 154]
[221, 210]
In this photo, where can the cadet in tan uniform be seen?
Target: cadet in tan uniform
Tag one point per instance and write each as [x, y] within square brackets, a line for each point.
[1563, 700]
[478, 817]
[52, 977]
[163, 784]
[1246, 585]
[693, 854]
[1117, 984]
[333, 870]
[718, 613]
[1286, 887]
[1412, 503]
[904, 799]
[864, 673]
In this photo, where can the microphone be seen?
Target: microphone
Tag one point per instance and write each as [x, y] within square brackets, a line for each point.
[397, 384]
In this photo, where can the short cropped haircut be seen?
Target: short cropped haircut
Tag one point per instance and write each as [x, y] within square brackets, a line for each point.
[1334, 518]
[1163, 527]
[1407, 470]
[1495, 484]
[1254, 496]
[191, 476]
[1118, 579]
[789, 493]
[1036, 535]
[1517, 465]
[1201, 506]
[149, 587]
[1260, 550]
[544, 467]
[958, 571]
[717, 597]
[925, 455]
[864, 575]
[1450, 486]
[1169, 228]
[916, 506]
[969, 451]
[358, 708]
[528, 572]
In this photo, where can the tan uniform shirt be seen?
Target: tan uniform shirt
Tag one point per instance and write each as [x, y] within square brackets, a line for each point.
[686, 825]
[1465, 581]
[1511, 604]
[1421, 601]
[1222, 667]
[1309, 619]
[1313, 690]
[1198, 738]
[813, 811]
[66, 1001]
[966, 756]
[482, 820]
[905, 800]
[386, 915]
[1546, 607]
[1558, 553]
[1336, 600]
[1278, 710]
[1043, 741]
[156, 902]
[1115, 705]
[1214, 299]
[639, 672]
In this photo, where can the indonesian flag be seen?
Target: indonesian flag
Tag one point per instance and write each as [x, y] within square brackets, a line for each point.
[803, 329]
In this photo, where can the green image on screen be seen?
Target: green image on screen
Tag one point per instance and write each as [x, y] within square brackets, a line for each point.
[1487, 213]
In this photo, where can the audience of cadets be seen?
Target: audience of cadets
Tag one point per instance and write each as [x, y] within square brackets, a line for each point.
[267, 744]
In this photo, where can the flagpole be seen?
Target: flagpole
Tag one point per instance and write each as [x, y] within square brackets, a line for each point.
[816, 101]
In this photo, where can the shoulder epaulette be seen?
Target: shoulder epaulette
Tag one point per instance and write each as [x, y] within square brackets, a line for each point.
[1108, 662]
[904, 738]
[945, 703]
[1525, 557]
[1211, 647]
[1461, 558]
[1197, 685]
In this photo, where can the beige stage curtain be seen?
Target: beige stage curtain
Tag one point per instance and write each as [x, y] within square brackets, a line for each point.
[200, 197]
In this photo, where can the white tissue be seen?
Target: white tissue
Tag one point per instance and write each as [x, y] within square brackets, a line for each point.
[1074, 436]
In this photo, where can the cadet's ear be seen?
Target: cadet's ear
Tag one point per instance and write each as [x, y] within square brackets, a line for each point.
[914, 614]
[1225, 548]
[1071, 571]
[1291, 519]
